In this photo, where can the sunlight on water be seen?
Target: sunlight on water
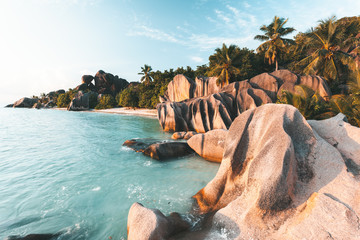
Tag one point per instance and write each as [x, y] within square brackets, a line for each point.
[68, 173]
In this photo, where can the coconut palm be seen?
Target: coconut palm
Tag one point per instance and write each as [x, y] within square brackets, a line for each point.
[145, 71]
[223, 64]
[275, 43]
[326, 58]
[310, 104]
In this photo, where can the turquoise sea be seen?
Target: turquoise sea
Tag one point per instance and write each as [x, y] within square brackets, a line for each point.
[68, 173]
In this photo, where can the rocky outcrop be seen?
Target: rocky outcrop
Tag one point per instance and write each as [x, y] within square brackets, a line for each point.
[106, 83]
[282, 177]
[183, 135]
[216, 111]
[25, 102]
[316, 83]
[166, 150]
[80, 102]
[209, 145]
[266, 82]
[178, 111]
[180, 88]
[344, 137]
[279, 179]
[159, 149]
[151, 224]
[205, 86]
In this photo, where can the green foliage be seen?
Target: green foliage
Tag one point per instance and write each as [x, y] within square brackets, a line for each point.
[129, 97]
[329, 47]
[63, 100]
[145, 71]
[106, 101]
[224, 64]
[308, 102]
[274, 44]
[93, 100]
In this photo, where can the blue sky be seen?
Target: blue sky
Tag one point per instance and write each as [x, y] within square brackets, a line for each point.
[46, 45]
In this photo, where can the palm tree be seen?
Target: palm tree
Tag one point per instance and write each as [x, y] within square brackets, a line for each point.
[327, 59]
[274, 44]
[223, 64]
[307, 101]
[145, 71]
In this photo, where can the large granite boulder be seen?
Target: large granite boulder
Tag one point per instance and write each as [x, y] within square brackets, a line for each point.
[316, 83]
[205, 86]
[216, 111]
[80, 102]
[166, 150]
[279, 179]
[87, 79]
[25, 102]
[209, 145]
[285, 76]
[198, 114]
[266, 82]
[151, 224]
[106, 83]
[183, 135]
[180, 88]
[159, 149]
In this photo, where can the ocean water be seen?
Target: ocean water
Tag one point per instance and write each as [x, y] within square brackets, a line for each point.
[68, 173]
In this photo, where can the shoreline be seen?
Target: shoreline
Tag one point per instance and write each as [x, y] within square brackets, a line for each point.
[143, 112]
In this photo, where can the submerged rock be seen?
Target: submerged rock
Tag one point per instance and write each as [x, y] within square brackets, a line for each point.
[166, 150]
[209, 145]
[159, 149]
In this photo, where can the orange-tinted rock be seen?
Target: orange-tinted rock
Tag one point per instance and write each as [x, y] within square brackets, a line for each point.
[316, 83]
[266, 82]
[151, 224]
[209, 145]
[279, 179]
[205, 86]
[180, 88]
[285, 76]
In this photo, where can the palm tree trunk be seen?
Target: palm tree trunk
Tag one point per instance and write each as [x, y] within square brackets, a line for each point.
[276, 65]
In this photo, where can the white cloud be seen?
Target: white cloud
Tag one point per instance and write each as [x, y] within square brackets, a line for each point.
[222, 16]
[197, 59]
[153, 33]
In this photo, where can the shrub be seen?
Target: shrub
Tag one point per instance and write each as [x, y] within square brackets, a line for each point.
[129, 97]
[106, 101]
[63, 100]
[93, 100]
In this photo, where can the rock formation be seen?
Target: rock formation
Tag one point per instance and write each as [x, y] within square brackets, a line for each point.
[209, 145]
[159, 149]
[25, 102]
[282, 177]
[166, 150]
[183, 135]
[151, 224]
[201, 106]
[80, 102]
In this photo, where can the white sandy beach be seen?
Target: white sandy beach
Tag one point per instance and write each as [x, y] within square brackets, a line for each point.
[124, 110]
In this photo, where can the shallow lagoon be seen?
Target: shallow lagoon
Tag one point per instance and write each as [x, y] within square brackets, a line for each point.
[68, 172]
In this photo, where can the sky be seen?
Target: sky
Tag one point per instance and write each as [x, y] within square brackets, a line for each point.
[47, 45]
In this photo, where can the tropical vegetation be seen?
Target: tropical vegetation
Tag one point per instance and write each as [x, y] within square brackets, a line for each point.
[274, 43]
[330, 50]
